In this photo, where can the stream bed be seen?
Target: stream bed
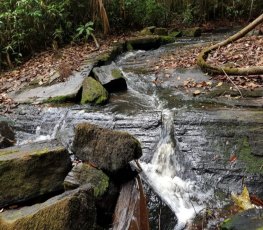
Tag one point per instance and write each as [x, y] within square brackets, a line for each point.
[187, 141]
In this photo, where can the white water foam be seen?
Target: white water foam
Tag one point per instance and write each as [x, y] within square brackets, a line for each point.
[161, 175]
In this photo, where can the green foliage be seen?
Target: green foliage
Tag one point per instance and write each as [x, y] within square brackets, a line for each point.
[27, 26]
[84, 31]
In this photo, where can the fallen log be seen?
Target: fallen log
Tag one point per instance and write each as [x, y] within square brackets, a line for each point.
[131, 211]
[253, 70]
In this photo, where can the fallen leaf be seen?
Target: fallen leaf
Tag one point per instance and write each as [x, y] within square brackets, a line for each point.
[242, 200]
[219, 84]
[233, 158]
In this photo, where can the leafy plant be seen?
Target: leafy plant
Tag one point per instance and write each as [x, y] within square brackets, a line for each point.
[84, 31]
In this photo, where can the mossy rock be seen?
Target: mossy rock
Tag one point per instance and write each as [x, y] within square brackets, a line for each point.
[111, 77]
[106, 149]
[192, 32]
[251, 219]
[32, 170]
[161, 31]
[83, 174]
[73, 210]
[145, 42]
[93, 92]
[175, 34]
[166, 39]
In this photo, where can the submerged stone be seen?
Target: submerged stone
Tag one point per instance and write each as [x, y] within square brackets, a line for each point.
[111, 77]
[249, 219]
[93, 92]
[72, 210]
[83, 174]
[7, 135]
[32, 170]
[106, 149]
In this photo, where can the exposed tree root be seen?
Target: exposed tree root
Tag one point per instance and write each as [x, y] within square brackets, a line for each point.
[253, 70]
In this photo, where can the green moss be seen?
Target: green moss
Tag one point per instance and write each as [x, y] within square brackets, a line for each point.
[93, 92]
[58, 99]
[166, 39]
[6, 152]
[176, 34]
[129, 46]
[253, 163]
[226, 224]
[102, 186]
[116, 73]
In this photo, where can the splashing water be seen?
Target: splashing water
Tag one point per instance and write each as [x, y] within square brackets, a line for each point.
[161, 175]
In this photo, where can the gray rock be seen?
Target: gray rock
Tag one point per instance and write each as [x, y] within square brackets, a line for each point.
[59, 92]
[73, 210]
[32, 170]
[106, 149]
[7, 135]
[110, 77]
[249, 219]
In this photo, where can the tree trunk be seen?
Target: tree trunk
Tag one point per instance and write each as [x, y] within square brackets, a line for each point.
[201, 59]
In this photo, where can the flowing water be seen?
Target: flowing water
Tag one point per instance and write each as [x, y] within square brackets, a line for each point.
[173, 139]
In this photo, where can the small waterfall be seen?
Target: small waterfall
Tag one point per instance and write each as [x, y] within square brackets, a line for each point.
[161, 173]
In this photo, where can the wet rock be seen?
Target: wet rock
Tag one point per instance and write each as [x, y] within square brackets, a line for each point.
[7, 135]
[216, 145]
[73, 210]
[32, 170]
[93, 92]
[249, 219]
[106, 149]
[145, 43]
[111, 77]
[192, 32]
[60, 92]
[83, 174]
[161, 31]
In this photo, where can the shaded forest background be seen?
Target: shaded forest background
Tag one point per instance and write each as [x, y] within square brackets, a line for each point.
[29, 26]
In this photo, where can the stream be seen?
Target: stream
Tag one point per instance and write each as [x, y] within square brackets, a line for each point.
[186, 142]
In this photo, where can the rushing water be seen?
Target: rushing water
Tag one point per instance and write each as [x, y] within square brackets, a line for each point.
[145, 112]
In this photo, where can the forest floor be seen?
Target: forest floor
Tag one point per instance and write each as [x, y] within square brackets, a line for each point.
[247, 51]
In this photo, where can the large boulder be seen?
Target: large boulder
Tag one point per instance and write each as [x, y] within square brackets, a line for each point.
[72, 210]
[249, 219]
[93, 92]
[83, 174]
[32, 170]
[106, 149]
[110, 77]
[7, 135]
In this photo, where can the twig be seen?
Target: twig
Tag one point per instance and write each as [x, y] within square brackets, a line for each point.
[232, 82]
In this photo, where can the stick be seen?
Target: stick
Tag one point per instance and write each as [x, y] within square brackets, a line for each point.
[232, 82]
